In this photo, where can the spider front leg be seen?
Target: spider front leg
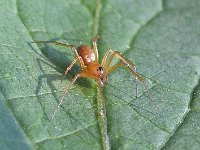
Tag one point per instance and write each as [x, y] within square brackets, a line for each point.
[125, 63]
[106, 63]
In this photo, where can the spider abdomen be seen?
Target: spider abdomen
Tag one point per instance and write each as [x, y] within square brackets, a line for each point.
[86, 54]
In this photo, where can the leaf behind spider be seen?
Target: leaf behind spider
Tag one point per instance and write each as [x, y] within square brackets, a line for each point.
[83, 35]
[79, 35]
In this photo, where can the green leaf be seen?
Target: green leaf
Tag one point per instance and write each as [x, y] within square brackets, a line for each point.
[160, 37]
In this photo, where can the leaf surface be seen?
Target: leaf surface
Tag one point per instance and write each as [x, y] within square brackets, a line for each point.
[160, 37]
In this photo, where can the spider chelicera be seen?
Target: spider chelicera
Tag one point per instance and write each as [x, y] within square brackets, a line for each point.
[88, 60]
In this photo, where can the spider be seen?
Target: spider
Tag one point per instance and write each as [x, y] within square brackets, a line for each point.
[88, 60]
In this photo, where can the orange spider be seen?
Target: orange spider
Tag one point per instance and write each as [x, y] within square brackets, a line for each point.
[88, 59]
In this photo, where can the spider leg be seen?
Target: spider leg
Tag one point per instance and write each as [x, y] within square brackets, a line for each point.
[68, 68]
[105, 57]
[66, 90]
[94, 43]
[121, 57]
[136, 89]
[114, 67]
[126, 63]
[107, 64]
[80, 60]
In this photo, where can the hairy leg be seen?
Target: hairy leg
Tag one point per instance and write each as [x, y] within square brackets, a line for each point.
[105, 57]
[68, 68]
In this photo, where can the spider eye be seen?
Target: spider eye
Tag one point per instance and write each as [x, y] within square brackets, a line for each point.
[100, 69]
